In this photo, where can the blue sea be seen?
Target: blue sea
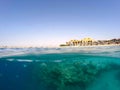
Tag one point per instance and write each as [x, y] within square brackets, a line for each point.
[67, 68]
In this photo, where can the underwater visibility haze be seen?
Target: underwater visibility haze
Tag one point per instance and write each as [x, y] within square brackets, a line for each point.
[70, 68]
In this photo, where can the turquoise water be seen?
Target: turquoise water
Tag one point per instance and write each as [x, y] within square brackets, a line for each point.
[83, 68]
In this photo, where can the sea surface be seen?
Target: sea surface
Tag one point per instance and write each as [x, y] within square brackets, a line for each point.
[69, 68]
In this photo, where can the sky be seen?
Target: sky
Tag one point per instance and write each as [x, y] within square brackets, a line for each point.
[52, 22]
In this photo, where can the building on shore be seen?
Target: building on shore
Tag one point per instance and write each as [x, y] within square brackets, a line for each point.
[91, 42]
[83, 42]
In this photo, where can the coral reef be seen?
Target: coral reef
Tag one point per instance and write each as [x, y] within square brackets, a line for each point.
[65, 75]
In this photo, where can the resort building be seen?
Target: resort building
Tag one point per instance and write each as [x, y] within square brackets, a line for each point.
[83, 42]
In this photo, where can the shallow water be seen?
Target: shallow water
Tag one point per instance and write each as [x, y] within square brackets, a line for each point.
[84, 68]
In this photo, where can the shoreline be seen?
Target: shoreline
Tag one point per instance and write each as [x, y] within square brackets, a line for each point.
[66, 46]
[91, 46]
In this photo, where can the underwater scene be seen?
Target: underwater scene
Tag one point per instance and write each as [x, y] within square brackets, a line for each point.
[68, 68]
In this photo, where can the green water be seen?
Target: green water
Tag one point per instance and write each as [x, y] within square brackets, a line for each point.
[80, 69]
